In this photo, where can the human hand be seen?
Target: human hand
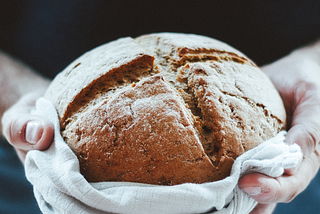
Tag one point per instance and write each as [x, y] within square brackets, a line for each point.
[24, 130]
[297, 78]
[284, 188]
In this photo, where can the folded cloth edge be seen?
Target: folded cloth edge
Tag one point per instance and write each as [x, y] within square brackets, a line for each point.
[60, 188]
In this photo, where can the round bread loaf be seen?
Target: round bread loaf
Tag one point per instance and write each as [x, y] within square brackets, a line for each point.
[164, 109]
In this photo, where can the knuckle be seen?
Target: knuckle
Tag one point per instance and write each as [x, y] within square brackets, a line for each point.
[310, 139]
[314, 134]
[286, 190]
[317, 152]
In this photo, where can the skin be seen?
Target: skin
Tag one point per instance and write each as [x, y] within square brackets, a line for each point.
[24, 86]
[18, 123]
[296, 77]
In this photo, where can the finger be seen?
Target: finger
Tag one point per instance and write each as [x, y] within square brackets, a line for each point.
[28, 132]
[263, 209]
[303, 135]
[268, 190]
[291, 171]
[39, 133]
[24, 130]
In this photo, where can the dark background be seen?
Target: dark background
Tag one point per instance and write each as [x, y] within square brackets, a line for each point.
[49, 34]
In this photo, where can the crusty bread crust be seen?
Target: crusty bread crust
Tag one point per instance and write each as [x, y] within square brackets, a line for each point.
[164, 109]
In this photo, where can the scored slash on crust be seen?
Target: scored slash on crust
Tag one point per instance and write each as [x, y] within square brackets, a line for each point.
[227, 104]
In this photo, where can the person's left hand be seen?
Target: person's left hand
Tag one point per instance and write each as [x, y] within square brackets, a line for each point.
[297, 79]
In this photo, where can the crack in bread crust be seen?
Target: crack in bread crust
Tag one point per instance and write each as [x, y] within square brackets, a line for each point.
[219, 98]
[112, 82]
[161, 120]
[202, 55]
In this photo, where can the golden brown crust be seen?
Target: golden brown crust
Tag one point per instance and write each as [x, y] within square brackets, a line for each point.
[146, 132]
[101, 63]
[178, 108]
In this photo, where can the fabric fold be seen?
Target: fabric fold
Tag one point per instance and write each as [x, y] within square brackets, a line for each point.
[59, 186]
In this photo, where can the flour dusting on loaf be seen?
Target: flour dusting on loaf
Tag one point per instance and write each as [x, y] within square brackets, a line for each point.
[164, 109]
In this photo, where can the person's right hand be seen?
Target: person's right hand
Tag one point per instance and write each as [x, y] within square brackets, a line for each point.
[26, 131]
[297, 78]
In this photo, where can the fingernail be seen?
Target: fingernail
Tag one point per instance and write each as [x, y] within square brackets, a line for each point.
[34, 132]
[252, 190]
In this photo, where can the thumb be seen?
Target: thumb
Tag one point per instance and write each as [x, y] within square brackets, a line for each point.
[27, 132]
[267, 190]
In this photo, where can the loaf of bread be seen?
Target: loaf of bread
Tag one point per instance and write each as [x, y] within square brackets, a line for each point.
[164, 109]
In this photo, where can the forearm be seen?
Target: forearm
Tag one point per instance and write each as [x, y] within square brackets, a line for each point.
[297, 78]
[17, 79]
[310, 52]
[297, 70]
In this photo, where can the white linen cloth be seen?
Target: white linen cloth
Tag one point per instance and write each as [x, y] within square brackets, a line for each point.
[60, 188]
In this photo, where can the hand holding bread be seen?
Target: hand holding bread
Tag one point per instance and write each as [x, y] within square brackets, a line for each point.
[191, 77]
[297, 78]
